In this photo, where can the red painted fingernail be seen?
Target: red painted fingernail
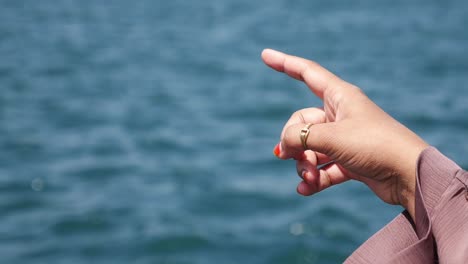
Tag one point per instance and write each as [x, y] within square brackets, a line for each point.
[277, 150]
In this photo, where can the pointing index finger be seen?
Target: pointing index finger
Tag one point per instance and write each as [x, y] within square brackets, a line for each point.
[316, 77]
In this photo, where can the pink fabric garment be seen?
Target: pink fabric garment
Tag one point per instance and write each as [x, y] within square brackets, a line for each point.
[440, 232]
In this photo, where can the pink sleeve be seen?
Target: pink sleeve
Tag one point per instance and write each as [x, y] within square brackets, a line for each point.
[440, 231]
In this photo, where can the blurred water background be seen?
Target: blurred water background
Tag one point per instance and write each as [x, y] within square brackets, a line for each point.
[142, 131]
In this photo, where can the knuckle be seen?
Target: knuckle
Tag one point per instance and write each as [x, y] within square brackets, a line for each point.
[327, 181]
[298, 115]
[289, 139]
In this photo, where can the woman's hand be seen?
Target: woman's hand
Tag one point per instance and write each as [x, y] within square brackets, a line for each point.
[361, 141]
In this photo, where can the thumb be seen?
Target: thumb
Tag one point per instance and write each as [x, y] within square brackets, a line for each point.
[322, 137]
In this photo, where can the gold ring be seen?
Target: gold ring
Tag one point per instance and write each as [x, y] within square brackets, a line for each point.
[304, 134]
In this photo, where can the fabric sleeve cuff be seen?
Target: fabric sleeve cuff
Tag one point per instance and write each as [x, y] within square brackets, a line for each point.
[434, 173]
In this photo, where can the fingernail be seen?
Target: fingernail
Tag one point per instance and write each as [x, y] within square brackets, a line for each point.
[277, 150]
[303, 156]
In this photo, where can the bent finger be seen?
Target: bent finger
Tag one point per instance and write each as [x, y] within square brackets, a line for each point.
[321, 138]
[329, 176]
[307, 115]
[307, 167]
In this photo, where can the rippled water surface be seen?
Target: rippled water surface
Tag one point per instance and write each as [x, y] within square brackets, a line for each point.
[142, 131]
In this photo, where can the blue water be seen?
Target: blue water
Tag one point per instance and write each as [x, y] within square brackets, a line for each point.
[142, 131]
